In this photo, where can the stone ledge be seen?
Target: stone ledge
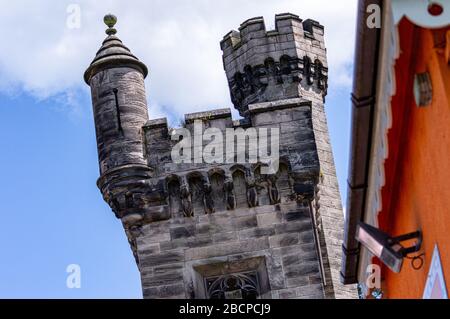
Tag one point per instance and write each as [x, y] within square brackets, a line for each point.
[156, 123]
[277, 105]
[208, 115]
[284, 16]
[248, 22]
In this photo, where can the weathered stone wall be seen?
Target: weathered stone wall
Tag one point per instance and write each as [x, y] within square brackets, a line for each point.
[328, 209]
[120, 110]
[281, 234]
[170, 250]
[292, 118]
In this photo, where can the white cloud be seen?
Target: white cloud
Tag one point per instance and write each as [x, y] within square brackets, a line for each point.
[178, 40]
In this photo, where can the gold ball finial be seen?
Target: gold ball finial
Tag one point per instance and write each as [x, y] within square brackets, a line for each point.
[110, 20]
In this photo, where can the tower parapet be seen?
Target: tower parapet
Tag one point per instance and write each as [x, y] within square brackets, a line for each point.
[264, 66]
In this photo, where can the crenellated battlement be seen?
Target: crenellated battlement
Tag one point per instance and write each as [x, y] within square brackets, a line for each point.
[287, 62]
[285, 24]
[289, 117]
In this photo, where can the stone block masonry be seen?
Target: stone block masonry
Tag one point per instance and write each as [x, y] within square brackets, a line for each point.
[172, 253]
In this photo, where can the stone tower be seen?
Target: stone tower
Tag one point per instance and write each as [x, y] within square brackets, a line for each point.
[226, 230]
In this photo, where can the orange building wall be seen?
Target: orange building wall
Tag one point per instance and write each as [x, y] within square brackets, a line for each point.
[417, 191]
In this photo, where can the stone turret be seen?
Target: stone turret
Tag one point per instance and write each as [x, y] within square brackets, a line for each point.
[116, 78]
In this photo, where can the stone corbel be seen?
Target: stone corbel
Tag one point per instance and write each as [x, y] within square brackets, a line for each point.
[186, 199]
[252, 193]
[229, 191]
[274, 194]
[208, 202]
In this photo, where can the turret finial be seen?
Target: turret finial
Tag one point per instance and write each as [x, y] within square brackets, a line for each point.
[110, 20]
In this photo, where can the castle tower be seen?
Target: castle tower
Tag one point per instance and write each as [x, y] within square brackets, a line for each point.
[263, 66]
[116, 78]
[226, 229]
[281, 68]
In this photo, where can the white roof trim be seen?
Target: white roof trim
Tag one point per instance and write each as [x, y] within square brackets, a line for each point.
[417, 12]
[389, 52]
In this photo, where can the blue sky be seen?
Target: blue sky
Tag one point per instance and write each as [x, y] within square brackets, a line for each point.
[52, 213]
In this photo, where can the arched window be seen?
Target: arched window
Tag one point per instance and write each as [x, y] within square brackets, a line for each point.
[233, 286]
[240, 279]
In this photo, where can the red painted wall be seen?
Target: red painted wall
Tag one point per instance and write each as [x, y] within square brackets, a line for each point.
[417, 191]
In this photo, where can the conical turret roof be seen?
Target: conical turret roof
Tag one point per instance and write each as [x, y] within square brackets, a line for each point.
[113, 53]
